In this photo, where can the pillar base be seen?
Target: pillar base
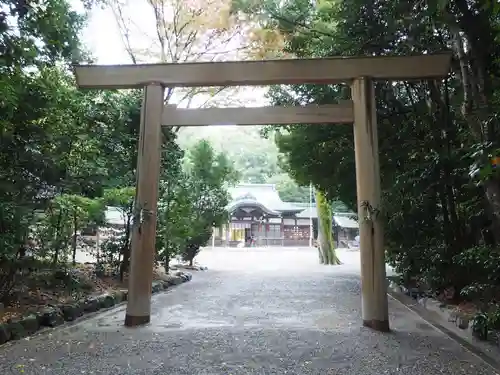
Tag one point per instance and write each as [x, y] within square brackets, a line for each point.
[377, 325]
[134, 321]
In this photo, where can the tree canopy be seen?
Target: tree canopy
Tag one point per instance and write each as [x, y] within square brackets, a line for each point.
[436, 139]
[255, 158]
[68, 154]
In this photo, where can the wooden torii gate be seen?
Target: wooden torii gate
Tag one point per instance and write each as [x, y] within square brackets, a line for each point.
[358, 72]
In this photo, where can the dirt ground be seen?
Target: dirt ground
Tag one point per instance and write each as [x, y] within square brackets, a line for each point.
[55, 286]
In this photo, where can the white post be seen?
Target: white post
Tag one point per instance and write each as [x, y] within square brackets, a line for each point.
[373, 277]
[213, 237]
[311, 232]
[98, 244]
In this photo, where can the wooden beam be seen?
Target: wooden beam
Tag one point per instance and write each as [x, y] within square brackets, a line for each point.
[324, 114]
[371, 232]
[267, 72]
[143, 234]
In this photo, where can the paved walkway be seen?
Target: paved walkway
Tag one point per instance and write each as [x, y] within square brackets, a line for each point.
[254, 312]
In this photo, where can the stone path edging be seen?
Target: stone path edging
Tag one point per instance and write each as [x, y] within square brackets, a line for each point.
[187, 267]
[439, 322]
[63, 315]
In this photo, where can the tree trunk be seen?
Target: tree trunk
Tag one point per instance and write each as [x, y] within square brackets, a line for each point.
[474, 29]
[325, 246]
[125, 250]
[73, 244]
[492, 190]
[320, 254]
[325, 239]
[167, 263]
[57, 239]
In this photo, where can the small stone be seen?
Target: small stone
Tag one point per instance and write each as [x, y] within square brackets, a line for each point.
[176, 280]
[414, 293]
[118, 295]
[79, 308]
[164, 277]
[71, 311]
[156, 287]
[91, 305]
[16, 330]
[422, 301]
[4, 334]
[50, 317]
[463, 323]
[106, 301]
[30, 323]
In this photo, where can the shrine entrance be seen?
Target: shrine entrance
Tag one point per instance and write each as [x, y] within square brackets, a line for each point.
[358, 72]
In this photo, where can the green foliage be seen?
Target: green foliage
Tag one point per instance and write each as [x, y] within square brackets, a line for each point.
[120, 198]
[193, 196]
[116, 249]
[67, 154]
[174, 221]
[209, 174]
[40, 121]
[255, 158]
[440, 192]
[288, 189]
[480, 326]
[173, 203]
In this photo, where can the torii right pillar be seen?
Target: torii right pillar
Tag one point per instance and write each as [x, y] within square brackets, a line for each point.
[373, 276]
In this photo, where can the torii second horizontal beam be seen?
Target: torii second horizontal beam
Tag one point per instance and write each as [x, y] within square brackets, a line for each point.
[267, 72]
[312, 114]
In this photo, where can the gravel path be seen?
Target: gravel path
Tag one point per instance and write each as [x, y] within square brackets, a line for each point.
[255, 311]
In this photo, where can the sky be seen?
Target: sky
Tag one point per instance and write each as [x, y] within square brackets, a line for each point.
[103, 38]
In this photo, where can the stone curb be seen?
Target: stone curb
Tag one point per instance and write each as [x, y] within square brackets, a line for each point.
[438, 318]
[189, 268]
[58, 316]
[445, 312]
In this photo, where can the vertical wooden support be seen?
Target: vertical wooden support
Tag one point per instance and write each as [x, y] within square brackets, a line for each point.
[373, 276]
[213, 237]
[144, 226]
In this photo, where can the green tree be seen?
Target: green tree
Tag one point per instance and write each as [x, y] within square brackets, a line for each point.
[436, 139]
[254, 157]
[122, 199]
[173, 203]
[33, 40]
[209, 176]
[289, 190]
[326, 246]
[174, 221]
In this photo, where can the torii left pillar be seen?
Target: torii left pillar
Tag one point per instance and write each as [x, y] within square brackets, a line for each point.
[142, 256]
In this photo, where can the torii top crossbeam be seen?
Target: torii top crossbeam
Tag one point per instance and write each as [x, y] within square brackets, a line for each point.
[267, 72]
